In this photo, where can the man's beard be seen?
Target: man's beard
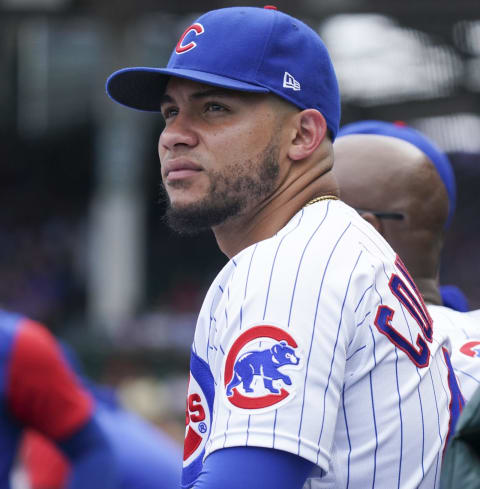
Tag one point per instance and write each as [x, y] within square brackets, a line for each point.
[231, 191]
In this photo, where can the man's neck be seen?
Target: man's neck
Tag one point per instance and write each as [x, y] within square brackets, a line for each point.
[262, 223]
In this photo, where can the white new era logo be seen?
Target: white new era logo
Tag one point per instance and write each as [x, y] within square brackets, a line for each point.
[290, 82]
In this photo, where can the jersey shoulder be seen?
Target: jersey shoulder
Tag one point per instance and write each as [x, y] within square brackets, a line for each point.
[458, 325]
[315, 235]
[474, 315]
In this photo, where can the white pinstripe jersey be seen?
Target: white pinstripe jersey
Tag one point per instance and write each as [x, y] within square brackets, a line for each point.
[474, 315]
[313, 342]
[464, 331]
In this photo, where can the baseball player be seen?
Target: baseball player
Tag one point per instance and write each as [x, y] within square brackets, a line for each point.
[304, 358]
[146, 458]
[405, 187]
[39, 391]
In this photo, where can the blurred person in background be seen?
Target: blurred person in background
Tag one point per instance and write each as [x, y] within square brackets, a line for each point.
[403, 185]
[39, 391]
[146, 457]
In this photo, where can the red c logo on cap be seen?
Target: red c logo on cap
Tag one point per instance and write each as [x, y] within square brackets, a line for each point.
[197, 29]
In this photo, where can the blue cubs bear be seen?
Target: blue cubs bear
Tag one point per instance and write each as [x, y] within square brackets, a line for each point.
[264, 363]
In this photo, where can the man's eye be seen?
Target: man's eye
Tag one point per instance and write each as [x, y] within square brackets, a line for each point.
[169, 112]
[214, 107]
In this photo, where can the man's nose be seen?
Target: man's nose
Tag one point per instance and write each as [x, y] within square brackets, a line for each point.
[178, 132]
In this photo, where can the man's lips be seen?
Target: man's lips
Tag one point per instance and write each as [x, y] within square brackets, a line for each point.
[175, 169]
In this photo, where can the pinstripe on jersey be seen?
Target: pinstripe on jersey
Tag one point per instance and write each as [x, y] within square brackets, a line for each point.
[357, 405]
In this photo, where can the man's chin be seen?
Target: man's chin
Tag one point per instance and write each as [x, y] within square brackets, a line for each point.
[182, 205]
[194, 218]
[184, 195]
[186, 221]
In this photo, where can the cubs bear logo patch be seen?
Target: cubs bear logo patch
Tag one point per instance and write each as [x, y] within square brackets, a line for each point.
[257, 367]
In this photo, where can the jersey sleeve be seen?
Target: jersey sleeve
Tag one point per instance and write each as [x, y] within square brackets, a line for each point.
[42, 392]
[261, 467]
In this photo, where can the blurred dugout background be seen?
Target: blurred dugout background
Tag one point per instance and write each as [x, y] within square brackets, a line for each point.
[82, 243]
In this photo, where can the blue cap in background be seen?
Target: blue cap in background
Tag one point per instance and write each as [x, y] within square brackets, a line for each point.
[454, 298]
[248, 49]
[412, 136]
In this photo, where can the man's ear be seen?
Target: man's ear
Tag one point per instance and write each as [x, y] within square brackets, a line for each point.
[373, 220]
[310, 130]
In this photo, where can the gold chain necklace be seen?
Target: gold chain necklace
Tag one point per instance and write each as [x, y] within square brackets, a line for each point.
[318, 199]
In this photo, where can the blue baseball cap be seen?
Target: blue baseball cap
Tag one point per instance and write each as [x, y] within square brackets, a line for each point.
[248, 49]
[412, 136]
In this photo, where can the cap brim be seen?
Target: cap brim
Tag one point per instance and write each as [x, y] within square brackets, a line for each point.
[142, 88]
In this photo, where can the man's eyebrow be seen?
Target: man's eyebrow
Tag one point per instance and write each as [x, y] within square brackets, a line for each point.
[165, 99]
[209, 92]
